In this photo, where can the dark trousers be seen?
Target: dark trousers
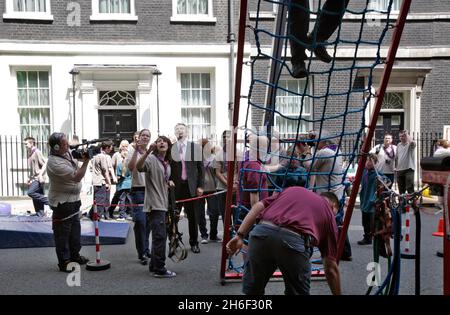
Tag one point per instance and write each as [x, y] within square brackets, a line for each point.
[141, 224]
[214, 211]
[66, 233]
[271, 247]
[391, 178]
[101, 198]
[367, 222]
[124, 201]
[115, 200]
[190, 209]
[405, 180]
[122, 198]
[347, 252]
[202, 218]
[326, 24]
[36, 193]
[157, 220]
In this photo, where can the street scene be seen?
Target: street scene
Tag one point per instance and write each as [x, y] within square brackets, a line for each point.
[225, 147]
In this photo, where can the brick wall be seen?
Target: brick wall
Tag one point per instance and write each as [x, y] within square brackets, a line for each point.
[153, 25]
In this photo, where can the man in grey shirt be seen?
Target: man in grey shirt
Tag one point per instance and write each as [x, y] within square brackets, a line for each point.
[64, 198]
[405, 163]
[101, 179]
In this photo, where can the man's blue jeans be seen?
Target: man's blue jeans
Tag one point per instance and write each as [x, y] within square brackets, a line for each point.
[36, 193]
[270, 247]
[141, 224]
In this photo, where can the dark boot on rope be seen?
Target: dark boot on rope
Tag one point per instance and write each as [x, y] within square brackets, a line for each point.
[299, 70]
[319, 50]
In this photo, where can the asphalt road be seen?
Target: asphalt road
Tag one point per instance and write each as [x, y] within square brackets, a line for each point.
[34, 270]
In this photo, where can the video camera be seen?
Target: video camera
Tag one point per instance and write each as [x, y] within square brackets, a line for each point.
[88, 151]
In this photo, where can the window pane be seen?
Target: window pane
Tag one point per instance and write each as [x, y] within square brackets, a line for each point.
[18, 6]
[40, 5]
[185, 97]
[126, 6]
[30, 5]
[45, 116]
[43, 79]
[23, 116]
[195, 80]
[32, 79]
[192, 7]
[21, 79]
[203, 7]
[181, 7]
[34, 116]
[185, 78]
[103, 6]
[195, 98]
[23, 96]
[205, 81]
[44, 97]
[33, 97]
[206, 98]
[115, 6]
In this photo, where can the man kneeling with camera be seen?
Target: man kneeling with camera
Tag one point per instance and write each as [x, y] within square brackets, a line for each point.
[64, 198]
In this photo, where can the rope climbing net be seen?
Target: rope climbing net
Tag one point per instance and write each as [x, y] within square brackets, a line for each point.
[310, 131]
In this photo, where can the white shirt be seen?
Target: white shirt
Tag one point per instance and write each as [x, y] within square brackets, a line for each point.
[182, 145]
[385, 164]
[405, 158]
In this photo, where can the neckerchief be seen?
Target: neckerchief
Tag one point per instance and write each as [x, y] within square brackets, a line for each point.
[165, 164]
[389, 151]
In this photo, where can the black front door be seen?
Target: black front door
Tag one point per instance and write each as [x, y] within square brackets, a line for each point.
[389, 123]
[117, 124]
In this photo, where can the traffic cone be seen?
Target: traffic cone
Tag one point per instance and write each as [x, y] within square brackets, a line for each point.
[440, 229]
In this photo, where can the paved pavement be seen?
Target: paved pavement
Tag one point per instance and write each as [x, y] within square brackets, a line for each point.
[33, 270]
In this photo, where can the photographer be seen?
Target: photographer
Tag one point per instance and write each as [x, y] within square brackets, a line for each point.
[64, 198]
[385, 154]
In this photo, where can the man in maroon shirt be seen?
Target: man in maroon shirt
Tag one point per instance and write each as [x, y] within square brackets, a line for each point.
[290, 225]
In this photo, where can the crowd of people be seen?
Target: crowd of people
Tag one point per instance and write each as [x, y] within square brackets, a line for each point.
[144, 170]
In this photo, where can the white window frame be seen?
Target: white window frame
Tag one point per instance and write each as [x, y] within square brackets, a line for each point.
[11, 14]
[200, 18]
[50, 96]
[212, 88]
[307, 99]
[384, 9]
[97, 16]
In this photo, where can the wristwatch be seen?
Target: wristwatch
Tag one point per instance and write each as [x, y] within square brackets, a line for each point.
[241, 235]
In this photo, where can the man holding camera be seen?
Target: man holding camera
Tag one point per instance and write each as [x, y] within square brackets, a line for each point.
[385, 153]
[64, 198]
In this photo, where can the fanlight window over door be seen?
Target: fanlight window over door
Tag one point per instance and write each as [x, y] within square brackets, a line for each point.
[117, 98]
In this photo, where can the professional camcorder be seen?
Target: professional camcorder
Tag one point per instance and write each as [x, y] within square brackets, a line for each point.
[86, 149]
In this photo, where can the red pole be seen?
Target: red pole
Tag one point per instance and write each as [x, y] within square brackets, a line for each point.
[447, 240]
[231, 164]
[399, 25]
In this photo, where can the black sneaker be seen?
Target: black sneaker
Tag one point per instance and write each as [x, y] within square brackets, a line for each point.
[195, 249]
[166, 274]
[365, 241]
[320, 51]
[80, 260]
[144, 260]
[215, 239]
[63, 266]
[299, 70]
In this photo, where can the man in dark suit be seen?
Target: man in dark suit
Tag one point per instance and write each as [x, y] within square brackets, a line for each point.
[188, 175]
